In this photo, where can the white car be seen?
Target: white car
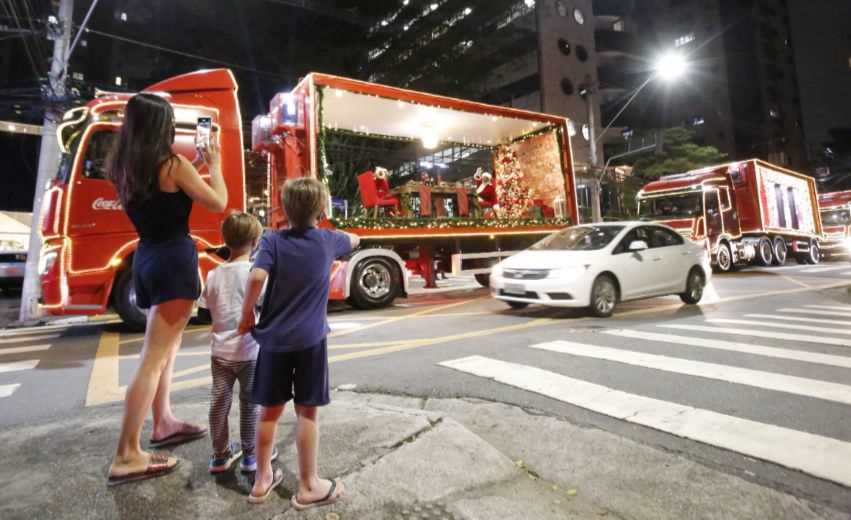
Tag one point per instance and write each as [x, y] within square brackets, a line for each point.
[599, 265]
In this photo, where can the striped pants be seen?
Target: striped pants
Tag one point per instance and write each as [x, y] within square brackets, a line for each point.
[225, 373]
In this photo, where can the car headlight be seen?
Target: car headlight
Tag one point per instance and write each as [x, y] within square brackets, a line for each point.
[567, 273]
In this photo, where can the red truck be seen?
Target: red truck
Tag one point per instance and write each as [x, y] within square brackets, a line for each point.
[89, 242]
[836, 218]
[745, 212]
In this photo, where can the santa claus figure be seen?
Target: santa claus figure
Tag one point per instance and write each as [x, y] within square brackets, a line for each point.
[477, 177]
[486, 193]
[382, 182]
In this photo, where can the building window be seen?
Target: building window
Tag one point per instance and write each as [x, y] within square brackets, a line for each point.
[567, 87]
[684, 40]
[619, 26]
[564, 46]
[578, 16]
[581, 53]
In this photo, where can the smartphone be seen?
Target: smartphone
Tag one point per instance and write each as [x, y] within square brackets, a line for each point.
[202, 132]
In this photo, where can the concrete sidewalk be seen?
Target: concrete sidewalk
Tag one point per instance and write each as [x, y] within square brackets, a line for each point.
[400, 458]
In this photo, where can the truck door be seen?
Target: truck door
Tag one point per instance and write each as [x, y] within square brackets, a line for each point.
[712, 215]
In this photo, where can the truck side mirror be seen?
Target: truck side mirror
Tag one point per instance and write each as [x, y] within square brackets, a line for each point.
[637, 245]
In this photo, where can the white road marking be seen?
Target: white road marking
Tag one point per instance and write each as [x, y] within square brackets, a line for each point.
[797, 318]
[731, 374]
[846, 308]
[823, 269]
[343, 325]
[817, 455]
[743, 348]
[817, 312]
[840, 342]
[18, 365]
[23, 339]
[7, 390]
[793, 326]
[23, 350]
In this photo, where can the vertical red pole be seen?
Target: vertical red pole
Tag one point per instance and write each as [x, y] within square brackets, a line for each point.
[427, 263]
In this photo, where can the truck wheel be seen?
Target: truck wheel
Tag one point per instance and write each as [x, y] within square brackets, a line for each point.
[780, 251]
[604, 296]
[695, 282]
[375, 283]
[124, 300]
[765, 251]
[484, 279]
[813, 256]
[724, 258]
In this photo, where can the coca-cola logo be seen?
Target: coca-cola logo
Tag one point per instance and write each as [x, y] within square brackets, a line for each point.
[101, 203]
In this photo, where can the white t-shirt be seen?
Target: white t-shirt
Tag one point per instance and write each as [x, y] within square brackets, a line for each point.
[223, 295]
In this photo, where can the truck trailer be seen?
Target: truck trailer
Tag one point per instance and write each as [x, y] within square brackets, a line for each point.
[745, 212]
[89, 242]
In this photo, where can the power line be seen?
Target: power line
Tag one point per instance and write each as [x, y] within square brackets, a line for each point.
[11, 12]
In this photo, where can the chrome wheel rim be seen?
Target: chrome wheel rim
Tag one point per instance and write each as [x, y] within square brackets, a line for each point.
[780, 252]
[766, 251]
[695, 287]
[724, 258]
[604, 297]
[375, 281]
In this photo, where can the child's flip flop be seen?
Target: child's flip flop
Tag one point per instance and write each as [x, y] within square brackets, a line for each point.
[328, 499]
[277, 478]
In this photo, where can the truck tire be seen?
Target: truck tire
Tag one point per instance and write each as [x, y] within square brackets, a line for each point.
[780, 251]
[813, 256]
[724, 258]
[375, 283]
[483, 279]
[124, 301]
[695, 282]
[604, 296]
[765, 251]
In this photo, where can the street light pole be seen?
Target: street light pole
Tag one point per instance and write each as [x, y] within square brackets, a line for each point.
[48, 158]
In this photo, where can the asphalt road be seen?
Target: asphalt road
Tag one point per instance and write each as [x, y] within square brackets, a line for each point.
[756, 380]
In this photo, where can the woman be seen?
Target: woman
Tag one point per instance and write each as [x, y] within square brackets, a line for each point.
[157, 188]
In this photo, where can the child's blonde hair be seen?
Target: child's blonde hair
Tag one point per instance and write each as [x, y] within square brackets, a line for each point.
[241, 230]
[303, 200]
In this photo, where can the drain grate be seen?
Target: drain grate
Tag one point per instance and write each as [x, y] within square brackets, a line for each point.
[421, 511]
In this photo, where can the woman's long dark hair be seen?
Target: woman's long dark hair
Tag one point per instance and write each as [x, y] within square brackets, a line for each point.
[143, 145]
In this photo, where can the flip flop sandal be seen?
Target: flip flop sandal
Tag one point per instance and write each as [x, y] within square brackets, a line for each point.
[329, 499]
[186, 434]
[157, 467]
[277, 478]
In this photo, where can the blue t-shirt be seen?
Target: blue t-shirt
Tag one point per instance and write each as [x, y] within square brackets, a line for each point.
[294, 314]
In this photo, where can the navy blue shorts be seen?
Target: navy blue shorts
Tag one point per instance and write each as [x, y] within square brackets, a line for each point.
[164, 271]
[301, 375]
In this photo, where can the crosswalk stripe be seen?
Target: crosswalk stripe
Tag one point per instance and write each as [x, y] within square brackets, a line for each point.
[814, 454]
[731, 374]
[817, 312]
[743, 348]
[795, 326]
[23, 350]
[823, 269]
[18, 365]
[846, 308]
[24, 339]
[7, 390]
[798, 318]
[839, 342]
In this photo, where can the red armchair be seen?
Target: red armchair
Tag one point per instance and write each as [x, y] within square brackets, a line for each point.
[370, 198]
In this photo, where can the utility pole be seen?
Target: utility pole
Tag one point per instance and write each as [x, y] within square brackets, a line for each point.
[587, 92]
[48, 159]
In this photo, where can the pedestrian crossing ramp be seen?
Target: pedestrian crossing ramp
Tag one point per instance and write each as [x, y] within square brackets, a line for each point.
[795, 336]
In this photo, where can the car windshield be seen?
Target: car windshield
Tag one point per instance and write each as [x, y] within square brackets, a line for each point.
[836, 217]
[581, 238]
[688, 205]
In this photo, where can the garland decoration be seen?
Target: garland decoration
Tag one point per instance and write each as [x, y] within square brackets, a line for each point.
[515, 198]
[445, 223]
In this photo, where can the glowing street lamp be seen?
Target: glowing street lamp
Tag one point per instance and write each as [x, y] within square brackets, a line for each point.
[670, 66]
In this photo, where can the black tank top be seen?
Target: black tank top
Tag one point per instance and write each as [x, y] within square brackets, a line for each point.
[164, 216]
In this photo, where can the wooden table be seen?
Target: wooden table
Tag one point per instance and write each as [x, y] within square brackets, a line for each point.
[439, 194]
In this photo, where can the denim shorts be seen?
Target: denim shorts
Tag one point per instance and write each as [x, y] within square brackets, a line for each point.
[301, 376]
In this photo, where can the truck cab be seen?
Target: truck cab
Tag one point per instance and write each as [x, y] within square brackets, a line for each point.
[835, 210]
[88, 240]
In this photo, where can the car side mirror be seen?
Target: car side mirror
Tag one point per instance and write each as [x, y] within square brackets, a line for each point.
[637, 245]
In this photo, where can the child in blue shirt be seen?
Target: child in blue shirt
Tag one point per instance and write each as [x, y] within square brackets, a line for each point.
[295, 265]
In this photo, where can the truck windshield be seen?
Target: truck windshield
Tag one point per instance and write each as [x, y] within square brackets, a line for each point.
[688, 205]
[581, 238]
[836, 217]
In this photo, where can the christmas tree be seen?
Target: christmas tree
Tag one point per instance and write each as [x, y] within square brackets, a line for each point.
[515, 198]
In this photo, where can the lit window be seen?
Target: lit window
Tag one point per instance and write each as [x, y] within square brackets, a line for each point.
[468, 10]
[78, 76]
[578, 16]
[123, 16]
[586, 132]
[774, 113]
[684, 40]
[529, 3]
[118, 80]
[619, 26]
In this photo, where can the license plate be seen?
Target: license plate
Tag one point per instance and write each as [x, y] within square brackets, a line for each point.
[513, 288]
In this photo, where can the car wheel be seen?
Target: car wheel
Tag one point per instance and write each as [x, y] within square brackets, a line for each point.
[780, 251]
[517, 305]
[724, 258]
[765, 251]
[375, 283]
[483, 279]
[124, 300]
[695, 282]
[604, 296]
